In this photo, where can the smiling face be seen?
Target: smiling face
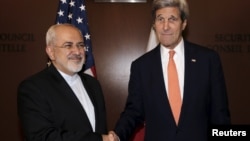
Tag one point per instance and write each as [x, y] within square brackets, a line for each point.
[169, 26]
[67, 50]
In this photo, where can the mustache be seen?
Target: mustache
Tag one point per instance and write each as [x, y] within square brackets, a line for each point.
[75, 56]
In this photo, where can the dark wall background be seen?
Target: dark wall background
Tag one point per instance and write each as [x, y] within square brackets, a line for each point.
[120, 33]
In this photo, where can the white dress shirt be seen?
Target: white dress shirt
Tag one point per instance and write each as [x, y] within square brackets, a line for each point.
[76, 85]
[179, 62]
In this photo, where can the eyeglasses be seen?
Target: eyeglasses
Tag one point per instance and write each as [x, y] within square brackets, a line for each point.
[71, 46]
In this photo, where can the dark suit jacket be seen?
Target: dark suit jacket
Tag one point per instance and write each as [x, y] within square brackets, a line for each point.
[49, 110]
[204, 102]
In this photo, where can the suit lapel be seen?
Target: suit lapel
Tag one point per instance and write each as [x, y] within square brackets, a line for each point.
[190, 64]
[158, 84]
[68, 93]
[157, 73]
[88, 89]
[91, 94]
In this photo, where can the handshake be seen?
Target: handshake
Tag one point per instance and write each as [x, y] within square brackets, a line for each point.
[111, 136]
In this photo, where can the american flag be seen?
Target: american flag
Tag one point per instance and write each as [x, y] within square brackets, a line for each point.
[74, 12]
[152, 41]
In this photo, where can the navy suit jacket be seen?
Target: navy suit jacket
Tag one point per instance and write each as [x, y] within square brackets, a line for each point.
[50, 111]
[204, 100]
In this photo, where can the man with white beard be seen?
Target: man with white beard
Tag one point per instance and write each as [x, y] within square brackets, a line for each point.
[61, 103]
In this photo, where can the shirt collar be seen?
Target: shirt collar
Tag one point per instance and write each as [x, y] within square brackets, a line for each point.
[179, 49]
[69, 79]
